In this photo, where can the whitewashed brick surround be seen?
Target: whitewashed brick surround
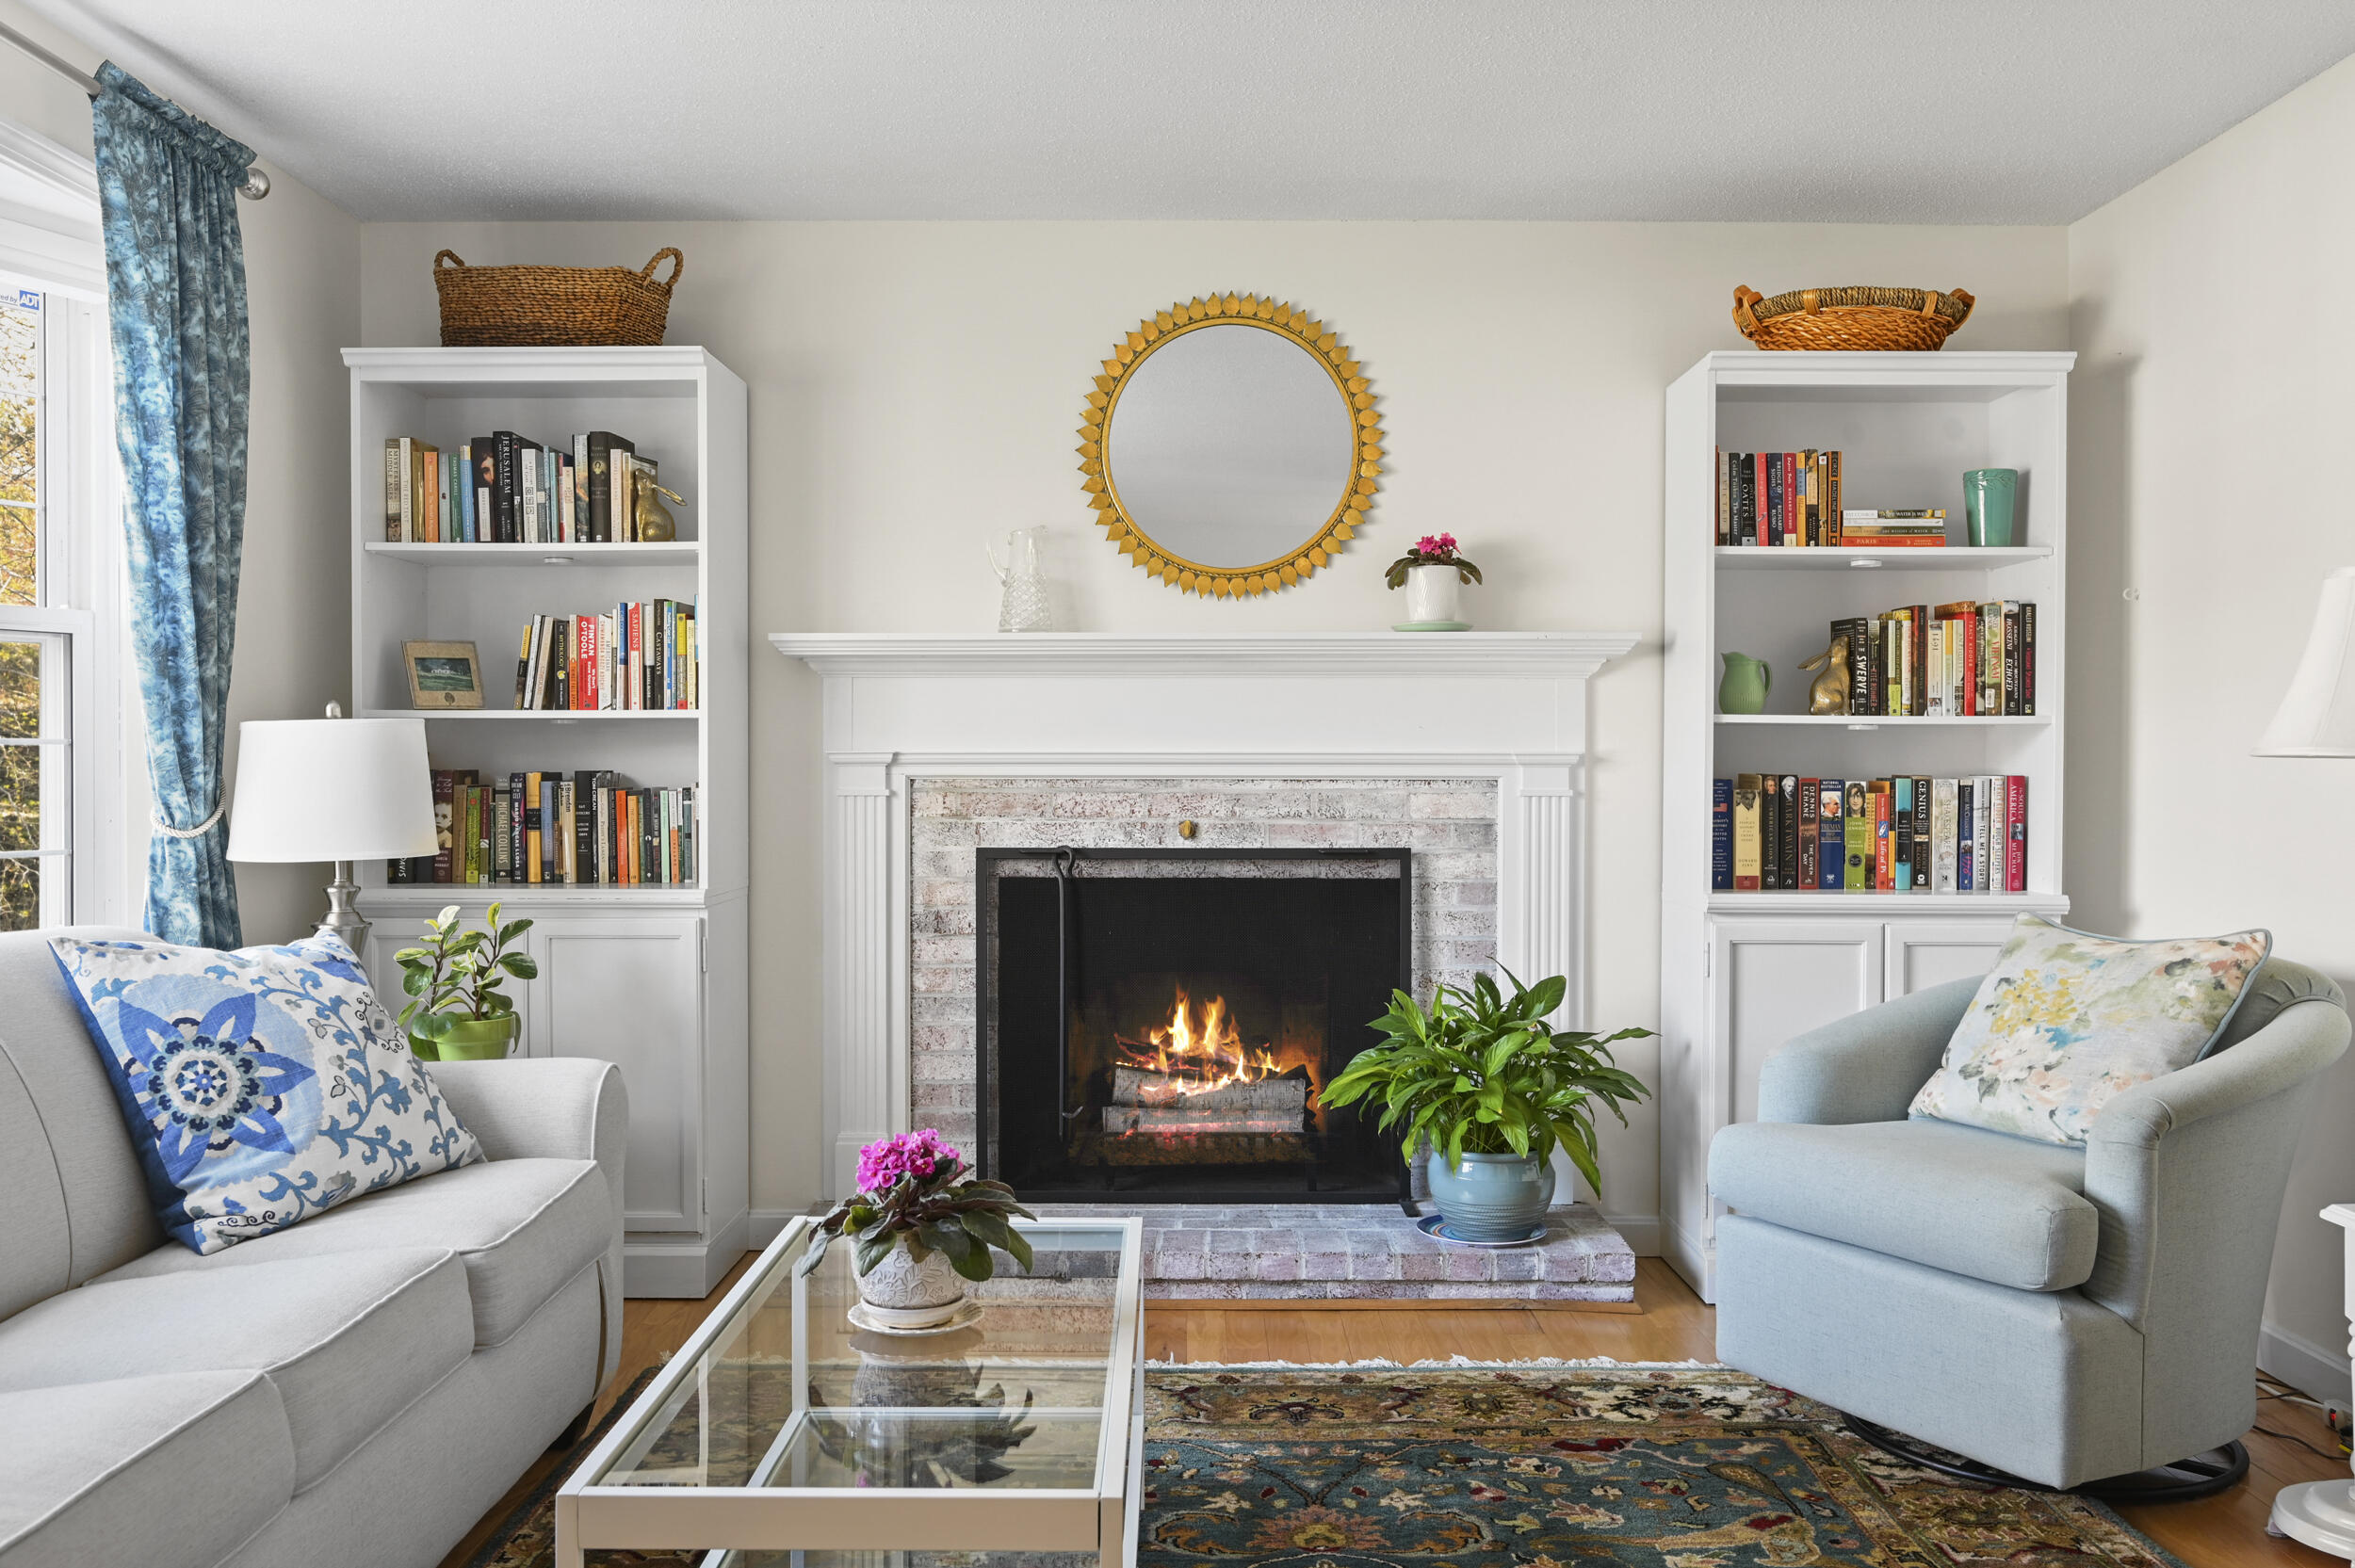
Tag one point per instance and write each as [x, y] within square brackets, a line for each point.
[1449, 823]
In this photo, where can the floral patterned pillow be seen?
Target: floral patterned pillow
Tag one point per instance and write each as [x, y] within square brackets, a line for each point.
[261, 1086]
[2066, 1021]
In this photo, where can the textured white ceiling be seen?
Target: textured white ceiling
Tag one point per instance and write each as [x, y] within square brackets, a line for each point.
[1974, 111]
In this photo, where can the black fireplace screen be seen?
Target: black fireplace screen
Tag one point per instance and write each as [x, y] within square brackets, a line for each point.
[1155, 1025]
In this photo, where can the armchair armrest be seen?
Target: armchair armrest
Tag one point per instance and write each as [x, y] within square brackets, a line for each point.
[552, 1108]
[1866, 1067]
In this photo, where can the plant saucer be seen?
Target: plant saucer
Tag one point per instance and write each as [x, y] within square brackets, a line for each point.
[1435, 1226]
[1432, 626]
[876, 1320]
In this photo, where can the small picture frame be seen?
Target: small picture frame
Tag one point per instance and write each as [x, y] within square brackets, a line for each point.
[443, 674]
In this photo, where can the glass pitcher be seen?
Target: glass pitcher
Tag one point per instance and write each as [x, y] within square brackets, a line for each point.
[1023, 606]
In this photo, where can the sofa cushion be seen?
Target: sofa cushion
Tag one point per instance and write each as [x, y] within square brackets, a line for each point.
[522, 1226]
[173, 1470]
[261, 1086]
[350, 1339]
[2006, 1211]
[2066, 1021]
[76, 1205]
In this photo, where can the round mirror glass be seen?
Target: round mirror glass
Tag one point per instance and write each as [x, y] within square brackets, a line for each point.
[1230, 446]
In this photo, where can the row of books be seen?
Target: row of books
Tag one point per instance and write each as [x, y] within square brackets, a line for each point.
[1965, 659]
[1782, 500]
[642, 654]
[1782, 833]
[506, 489]
[583, 828]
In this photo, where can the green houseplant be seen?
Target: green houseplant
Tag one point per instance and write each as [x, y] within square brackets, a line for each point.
[456, 1010]
[1492, 1090]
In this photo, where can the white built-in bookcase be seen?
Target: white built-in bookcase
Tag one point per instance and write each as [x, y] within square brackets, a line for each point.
[650, 977]
[1742, 972]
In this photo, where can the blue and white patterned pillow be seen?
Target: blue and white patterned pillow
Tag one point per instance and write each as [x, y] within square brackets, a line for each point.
[261, 1086]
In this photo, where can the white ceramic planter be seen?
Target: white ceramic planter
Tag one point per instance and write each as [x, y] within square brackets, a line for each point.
[915, 1294]
[1433, 594]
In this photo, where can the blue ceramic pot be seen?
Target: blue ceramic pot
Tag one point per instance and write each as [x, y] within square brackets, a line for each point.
[1492, 1197]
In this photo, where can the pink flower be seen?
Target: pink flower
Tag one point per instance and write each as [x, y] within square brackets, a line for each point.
[1426, 545]
[1447, 541]
[920, 1153]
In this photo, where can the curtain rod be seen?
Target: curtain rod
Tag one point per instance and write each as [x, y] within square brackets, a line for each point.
[256, 183]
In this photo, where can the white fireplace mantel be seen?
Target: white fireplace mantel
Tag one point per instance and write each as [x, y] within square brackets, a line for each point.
[1506, 707]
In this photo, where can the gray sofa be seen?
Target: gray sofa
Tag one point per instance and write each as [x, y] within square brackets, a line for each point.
[2063, 1314]
[358, 1389]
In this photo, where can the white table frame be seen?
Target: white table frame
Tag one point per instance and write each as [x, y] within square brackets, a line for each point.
[722, 1520]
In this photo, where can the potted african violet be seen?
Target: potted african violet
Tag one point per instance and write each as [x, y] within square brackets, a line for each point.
[457, 1011]
[924, 1227]
[1433, 575]
[1493, 1090]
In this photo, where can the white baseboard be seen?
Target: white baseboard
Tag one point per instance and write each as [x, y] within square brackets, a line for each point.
[2302, 1363]
[1686, 1255]
[683, 1268]
[1640, 1231]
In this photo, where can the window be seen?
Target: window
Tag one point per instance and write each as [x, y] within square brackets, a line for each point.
[72, 819]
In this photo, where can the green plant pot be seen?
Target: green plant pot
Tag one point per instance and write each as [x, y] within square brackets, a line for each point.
[1492, 1197]
[476, 1040]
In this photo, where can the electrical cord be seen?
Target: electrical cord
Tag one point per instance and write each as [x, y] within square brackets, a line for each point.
[2288, 1438]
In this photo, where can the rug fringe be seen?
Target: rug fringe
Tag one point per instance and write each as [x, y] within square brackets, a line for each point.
[1451, 1361]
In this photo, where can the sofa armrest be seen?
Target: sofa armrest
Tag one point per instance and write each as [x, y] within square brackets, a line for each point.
[1866, 1067]
[552, 1108]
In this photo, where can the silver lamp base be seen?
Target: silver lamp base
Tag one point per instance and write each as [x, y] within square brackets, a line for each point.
[343, 919]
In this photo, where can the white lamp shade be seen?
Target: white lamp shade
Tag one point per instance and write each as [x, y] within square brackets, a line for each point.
[316, 789]
[2317, 718]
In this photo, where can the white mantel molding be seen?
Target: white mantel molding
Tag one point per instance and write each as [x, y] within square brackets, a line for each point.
[1505, 706]
[1559, 656]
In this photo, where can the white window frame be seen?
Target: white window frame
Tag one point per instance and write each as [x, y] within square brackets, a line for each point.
[49, 242]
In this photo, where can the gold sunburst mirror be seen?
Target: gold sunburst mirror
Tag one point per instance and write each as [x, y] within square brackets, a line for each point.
[1232, 445]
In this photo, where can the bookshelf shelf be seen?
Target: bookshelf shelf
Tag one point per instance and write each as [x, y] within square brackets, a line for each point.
[539, 716]
[1923, 721]
[681, 553]
[651, 977]
[1742, 972]
[1735, 558]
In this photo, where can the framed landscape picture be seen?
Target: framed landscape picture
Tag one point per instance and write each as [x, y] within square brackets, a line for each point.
[443, 674]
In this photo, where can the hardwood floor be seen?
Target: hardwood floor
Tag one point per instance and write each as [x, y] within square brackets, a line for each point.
[2226, 1531]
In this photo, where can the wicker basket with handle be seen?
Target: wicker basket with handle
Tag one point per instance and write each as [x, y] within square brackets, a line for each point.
[1857, 317]
[541, 306]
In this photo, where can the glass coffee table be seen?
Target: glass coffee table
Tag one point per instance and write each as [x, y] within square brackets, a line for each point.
[783, 1434]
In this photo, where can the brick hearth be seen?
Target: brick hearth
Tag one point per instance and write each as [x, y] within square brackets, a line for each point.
[1363, 1251]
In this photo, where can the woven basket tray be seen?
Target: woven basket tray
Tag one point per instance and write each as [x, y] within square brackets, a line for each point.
[542, 306]
[1875, 318]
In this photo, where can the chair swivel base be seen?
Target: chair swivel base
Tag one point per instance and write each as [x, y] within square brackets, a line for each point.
[2186, 1480]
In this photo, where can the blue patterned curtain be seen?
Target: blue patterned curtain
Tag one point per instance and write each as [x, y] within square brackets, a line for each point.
[175, 282]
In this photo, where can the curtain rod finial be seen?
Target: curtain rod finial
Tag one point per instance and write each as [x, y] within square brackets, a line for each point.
[256, 185]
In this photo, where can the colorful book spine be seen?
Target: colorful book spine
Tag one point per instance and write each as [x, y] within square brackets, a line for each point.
[2016, 833]
[1831, 835]
[1856, 822]
[1721, 835]
[1810, 800]
[1749, 839]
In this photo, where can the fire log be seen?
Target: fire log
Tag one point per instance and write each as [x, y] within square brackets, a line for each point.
[1286, 1094]
[1172, 1121]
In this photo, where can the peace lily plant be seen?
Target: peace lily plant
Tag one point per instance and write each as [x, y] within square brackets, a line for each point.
[1492, 1090]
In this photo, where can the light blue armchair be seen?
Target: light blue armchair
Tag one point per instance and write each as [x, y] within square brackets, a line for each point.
[2062, 1317]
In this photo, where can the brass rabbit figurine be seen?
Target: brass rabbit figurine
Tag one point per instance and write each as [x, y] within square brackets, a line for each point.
[655, 525]
[1828, 691]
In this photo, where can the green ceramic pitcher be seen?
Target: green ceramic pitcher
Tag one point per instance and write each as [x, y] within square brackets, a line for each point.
[1744, 687]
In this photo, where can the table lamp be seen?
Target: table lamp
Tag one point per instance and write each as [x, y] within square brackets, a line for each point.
[335, 789]
[2317, 718]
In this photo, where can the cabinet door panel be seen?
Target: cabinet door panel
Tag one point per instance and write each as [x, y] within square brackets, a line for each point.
[1778, 980]
[1932, 952]
[629, 992]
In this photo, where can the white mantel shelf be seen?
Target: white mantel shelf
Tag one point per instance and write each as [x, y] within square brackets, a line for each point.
[1543, 655]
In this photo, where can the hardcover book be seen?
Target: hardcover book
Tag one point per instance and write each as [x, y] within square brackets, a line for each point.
[1721, 835]
[1748, 846]
[1831, 834]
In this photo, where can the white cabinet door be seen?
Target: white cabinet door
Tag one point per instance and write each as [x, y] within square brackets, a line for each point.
[1776, 979]
[627, 989]
[1923, 953]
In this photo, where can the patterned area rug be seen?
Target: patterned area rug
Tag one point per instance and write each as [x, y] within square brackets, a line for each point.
[1529, 1465]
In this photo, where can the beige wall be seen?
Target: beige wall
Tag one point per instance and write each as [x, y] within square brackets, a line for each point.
[917, 386]
[294, 623]
[2208, 476]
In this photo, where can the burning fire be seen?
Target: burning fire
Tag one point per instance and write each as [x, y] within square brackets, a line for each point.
[1196, 1050]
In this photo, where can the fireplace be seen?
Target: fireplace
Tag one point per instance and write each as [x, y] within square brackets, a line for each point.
[1155, 1025]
